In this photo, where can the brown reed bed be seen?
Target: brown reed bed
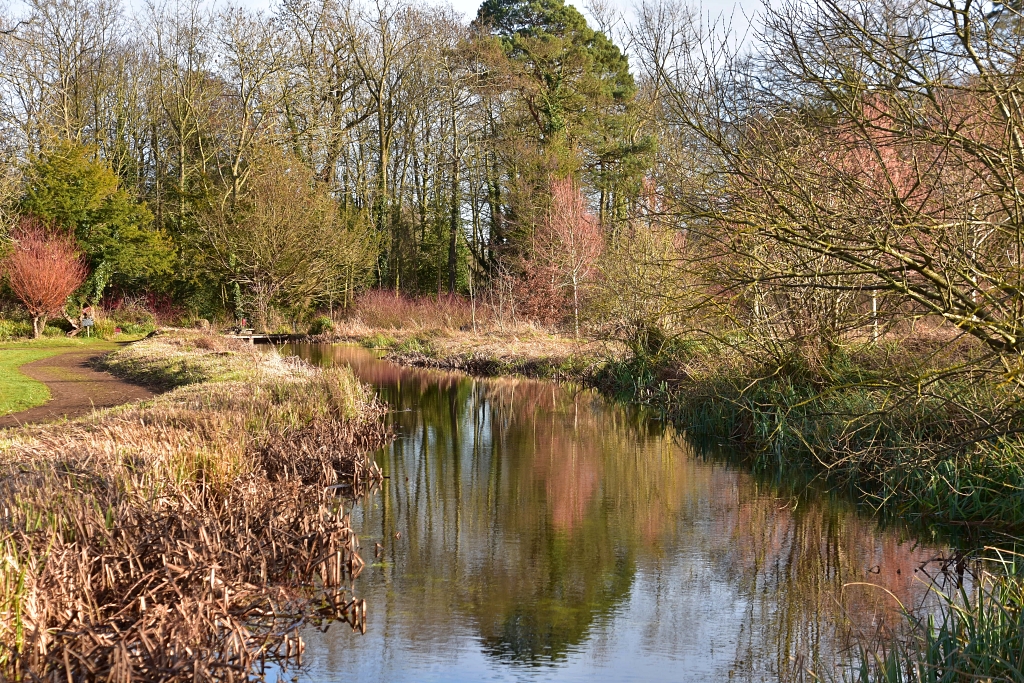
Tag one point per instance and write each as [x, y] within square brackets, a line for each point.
[386, 309]
[186, 538]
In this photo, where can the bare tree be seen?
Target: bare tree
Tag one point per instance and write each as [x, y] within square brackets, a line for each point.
[642, 294]
[183, 101]
[57, 65]
[384, 42]
[864, 149]
[569, 242]
[251, 57]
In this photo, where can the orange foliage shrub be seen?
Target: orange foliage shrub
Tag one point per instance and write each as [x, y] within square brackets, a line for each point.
[43, 270]
[564, 260]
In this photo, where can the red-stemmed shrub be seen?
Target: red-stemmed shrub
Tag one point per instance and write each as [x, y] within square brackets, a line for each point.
[564, 260]
[43, 269]
[382, 308]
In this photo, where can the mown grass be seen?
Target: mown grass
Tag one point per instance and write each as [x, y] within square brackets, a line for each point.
[19, 392]
[62, 342]
[186, 537]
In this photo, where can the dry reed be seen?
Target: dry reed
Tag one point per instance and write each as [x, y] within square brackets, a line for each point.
[384, 309]
[187, 538]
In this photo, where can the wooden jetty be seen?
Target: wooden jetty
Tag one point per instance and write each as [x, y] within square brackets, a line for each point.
[254, 338]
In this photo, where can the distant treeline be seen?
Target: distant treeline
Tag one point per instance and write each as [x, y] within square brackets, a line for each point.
[843, 171]
[294, 157]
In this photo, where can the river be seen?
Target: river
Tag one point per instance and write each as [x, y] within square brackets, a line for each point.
[530, 531]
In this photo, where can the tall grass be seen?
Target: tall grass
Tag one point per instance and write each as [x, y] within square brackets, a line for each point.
[942, 449]
[977, 634]
[187, 537]
[385, 309]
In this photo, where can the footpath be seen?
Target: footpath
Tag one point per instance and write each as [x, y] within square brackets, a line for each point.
[76, 388]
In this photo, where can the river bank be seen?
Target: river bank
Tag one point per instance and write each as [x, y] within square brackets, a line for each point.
[527, 351]
[883, 421]
[189, 534]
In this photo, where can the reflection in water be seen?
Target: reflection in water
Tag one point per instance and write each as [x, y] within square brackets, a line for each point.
[532, 531]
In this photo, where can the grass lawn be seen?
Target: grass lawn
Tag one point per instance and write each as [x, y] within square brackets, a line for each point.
[18, 392]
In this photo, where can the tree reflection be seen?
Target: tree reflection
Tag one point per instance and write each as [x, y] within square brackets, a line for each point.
[531, 510]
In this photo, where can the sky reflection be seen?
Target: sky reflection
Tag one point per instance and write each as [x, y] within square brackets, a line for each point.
[533, 532]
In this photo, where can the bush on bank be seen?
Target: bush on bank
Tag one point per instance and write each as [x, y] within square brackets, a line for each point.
[909, 438]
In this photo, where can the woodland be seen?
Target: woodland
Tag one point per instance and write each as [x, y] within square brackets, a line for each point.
[273, 165]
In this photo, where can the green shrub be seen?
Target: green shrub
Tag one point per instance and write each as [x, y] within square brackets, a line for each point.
[22, 329]
[133, 316]
[104, 328]
[133, 319]
[378, 341]
[321, 325]
[412, 345]
[14, 329]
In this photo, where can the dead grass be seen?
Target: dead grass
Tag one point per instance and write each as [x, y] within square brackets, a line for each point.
[524, 342]
[385, 309]
[449, 332]
[179, 357]
[525, 350]
[186, 538]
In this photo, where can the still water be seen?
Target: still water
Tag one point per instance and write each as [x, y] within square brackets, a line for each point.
[535, 532]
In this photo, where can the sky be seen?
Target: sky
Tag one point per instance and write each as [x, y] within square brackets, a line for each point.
[714, 7]
[737, 13]
[739, 10]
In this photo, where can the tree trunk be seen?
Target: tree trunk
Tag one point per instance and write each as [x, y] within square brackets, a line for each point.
[456, 214]
[453, 231]
[576, 305]
[38, 325]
